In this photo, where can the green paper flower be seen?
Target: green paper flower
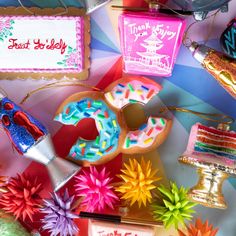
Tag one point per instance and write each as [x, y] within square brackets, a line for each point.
[176, 207]
[9, 226]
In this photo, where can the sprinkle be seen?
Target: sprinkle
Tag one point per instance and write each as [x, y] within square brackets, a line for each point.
[89, 104]
[104, 143]
[149, 132]
[107, 134]
[121, 85]
[127, 143]
[127, 94]
[109, 125]
[151, 92]
[147, 141]
[96, 112]
[81, 102]
[97, 103]
[114, 123]
[100, 126]
[82, 151]
[119, 92]
[67, 110]
[110, 97]
[162, 121]
[78, 108]
[131, 88]
[86, 114]
[93, 149]
[99, 153]
[97, 141]
[82, 145]
[109, 149]
[132, 101]
[101, 116]
[106, 114]
[158, 128]
[140, 92]
[90, 154]
[153, 121]
[142, 127]
[144, 87]
[73, 154]
[133, 141]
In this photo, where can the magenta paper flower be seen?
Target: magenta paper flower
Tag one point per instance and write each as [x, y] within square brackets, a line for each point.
[59, 218]
[96, 189]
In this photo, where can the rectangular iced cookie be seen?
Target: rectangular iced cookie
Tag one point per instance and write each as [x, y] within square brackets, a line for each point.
[44, 45]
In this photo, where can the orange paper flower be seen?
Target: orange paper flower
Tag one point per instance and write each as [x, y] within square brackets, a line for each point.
[138, 181]
[199, 229]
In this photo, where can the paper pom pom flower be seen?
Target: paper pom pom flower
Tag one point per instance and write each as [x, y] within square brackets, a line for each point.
[59, 218]
[137, 182]
[21, 197]
[199, 229]
[9, 226]
[175, 208]
[96, 189]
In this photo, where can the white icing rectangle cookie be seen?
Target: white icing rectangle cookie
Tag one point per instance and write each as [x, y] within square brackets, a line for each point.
[49, 44]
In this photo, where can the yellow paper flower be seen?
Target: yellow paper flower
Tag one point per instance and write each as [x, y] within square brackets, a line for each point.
[137, 182]
[199, 229]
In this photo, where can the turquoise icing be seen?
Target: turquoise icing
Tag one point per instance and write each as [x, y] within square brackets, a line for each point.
[106, 122]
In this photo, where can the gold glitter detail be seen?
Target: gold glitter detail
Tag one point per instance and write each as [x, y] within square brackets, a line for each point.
[208, 190]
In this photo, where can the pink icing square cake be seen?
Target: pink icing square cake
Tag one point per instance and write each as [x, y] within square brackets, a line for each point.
[150, 42]
[49, 44]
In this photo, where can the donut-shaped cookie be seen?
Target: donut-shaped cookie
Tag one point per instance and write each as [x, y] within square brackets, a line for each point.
[110, 126]
[138, 90]
[106, 108]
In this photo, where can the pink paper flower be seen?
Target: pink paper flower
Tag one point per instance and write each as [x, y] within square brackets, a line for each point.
[72, 60]
[95, 186]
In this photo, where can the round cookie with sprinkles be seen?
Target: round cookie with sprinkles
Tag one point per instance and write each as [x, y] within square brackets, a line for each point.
[109, 123]
[139, 90]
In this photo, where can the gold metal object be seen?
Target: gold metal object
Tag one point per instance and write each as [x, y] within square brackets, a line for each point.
[222, 68]
[212, 173]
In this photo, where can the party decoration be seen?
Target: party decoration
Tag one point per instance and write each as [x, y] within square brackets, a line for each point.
[201, 8]
[228, 39]
[175, 207]
[96, 189]
[137, 182]
[11, 227]
[199, 229]
[212, 151]
[150, 42]
[66, 46]
[59, 217]
[222, 68]
[31, 139]
[22, 197]
[106, 108]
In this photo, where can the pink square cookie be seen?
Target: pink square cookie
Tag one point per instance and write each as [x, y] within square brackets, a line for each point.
[150, 42]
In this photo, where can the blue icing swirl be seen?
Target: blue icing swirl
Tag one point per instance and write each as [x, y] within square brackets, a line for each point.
[106, 122]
